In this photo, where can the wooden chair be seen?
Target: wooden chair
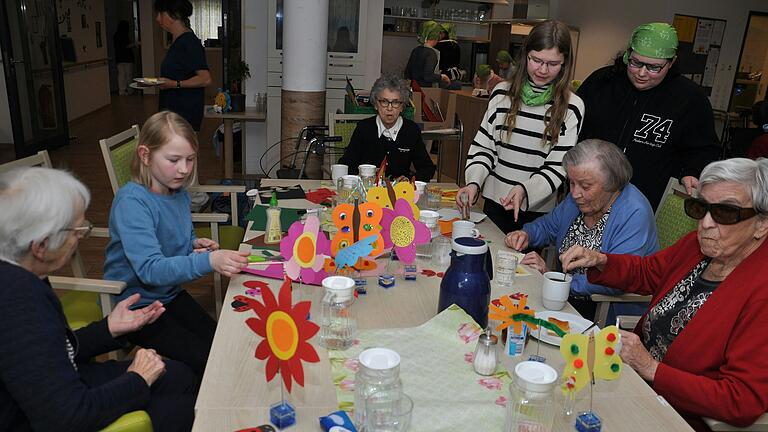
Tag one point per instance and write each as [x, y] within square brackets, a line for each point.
[118, 150]
[342, 125]
[671, 224]
[86, 300]
[761, 424]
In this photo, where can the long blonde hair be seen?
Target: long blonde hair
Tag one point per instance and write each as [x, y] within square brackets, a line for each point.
[155, 133]
[545, 35]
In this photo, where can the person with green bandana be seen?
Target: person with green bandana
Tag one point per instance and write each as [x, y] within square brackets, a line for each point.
[423, 64]
[485, 80]
[532, 120]
[450, 52]
[660, 119]
[504, 61]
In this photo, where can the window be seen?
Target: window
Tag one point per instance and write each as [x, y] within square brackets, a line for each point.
[206, 18]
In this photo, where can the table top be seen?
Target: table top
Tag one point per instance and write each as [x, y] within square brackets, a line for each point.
[250, 114]
[234, 393]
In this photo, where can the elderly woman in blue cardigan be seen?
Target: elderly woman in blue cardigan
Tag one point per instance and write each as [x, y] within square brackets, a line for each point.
[602, 212]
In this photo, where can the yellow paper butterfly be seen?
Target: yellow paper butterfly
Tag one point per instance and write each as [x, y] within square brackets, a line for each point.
[575, 349]
[403, 189]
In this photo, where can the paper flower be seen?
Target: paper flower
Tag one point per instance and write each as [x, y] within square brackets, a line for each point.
[490, 383]
[304, 249]
[403, 232]
[506, 313]
[285, 330]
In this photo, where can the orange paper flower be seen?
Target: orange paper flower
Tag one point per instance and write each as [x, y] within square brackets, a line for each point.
[285, 330]
[509, 310]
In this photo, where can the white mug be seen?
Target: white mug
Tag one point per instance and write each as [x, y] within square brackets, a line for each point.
[366, 170]
[462, 228]
[338, 170]
[555, 290]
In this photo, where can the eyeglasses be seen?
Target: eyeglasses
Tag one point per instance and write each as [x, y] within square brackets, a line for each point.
[724, 214]
[650, 67]
[538, 63]
[82, 231]
[385, 103]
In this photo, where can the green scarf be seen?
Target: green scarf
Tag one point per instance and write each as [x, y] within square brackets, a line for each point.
[531, 98]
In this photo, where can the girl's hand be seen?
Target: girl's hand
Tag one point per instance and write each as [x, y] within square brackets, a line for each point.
[204, 245]
[229, 262]
[534, 260]
[470, 191]
[514, 199]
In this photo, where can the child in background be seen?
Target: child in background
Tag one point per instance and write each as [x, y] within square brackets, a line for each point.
[485, 80]
[152, 246]
[759, 146]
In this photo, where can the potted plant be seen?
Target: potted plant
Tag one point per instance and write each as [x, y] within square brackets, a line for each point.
[238, 71]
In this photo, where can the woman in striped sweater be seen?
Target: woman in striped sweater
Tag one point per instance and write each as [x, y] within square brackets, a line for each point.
[531, 122]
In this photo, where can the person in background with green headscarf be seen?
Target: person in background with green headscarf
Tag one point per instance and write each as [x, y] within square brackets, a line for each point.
[423, 64]
[660, 119]
[485, 79]
[450, 52]
[504, 61]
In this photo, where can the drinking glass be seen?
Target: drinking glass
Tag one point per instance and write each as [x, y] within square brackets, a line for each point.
[505, 269]
[388, 411]
[433, 197]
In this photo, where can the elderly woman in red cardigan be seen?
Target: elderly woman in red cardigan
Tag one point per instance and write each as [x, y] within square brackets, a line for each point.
[703, 343]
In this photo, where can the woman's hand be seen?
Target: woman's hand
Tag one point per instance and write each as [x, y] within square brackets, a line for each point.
[148, 365]
[123, 320]
[517, 240]
[578, 256]
[514, 199]
[470, 191]
[166, 83]
[636, 356]
[534, 260]
[690, 184]
[445, 78]
[229, 262]
[204, 244]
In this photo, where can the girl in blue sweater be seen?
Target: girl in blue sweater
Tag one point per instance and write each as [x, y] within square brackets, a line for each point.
[153, 247]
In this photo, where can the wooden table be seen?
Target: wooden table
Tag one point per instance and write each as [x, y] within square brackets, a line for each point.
[234, 393]
[250, 114]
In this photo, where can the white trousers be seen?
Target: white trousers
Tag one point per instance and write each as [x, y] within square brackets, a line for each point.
[124, 77]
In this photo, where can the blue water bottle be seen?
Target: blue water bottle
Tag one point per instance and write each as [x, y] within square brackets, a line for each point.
[467, 282]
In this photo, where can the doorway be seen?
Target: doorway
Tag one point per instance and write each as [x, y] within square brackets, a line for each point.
[31, 49]
[751, 78]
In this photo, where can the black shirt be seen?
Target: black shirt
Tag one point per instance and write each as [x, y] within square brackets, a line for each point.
[185, 57]
[367, 147]
[421, 66]
[450, 54]
[123, 54]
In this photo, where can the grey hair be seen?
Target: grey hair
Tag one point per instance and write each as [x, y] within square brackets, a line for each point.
[393, 83]
[616, 169]
[753, 174]
[37, 203]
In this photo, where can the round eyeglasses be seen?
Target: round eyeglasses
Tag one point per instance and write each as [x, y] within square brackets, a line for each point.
[650, 67]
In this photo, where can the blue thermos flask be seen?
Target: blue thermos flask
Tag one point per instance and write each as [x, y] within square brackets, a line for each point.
[467, 282]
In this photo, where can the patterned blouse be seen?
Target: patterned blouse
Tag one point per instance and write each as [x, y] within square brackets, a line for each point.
[580, 234]
[669, 317]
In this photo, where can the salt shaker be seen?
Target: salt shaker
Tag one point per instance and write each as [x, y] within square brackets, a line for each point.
[485, 359]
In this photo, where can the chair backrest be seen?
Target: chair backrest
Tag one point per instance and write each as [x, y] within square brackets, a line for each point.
[671, 221]
[342, 125]
[41, 159]
[118, 151]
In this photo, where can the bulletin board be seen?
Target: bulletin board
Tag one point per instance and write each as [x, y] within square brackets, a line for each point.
[698, 50]
[81, 29]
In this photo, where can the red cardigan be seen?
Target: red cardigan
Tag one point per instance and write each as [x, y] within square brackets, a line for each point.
[718, 365]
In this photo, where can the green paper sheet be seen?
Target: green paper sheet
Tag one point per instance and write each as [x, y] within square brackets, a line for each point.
[258, 215]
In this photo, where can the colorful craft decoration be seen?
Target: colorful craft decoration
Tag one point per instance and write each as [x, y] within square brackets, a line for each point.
[305, 249]
[355, 222]
[350, 255]
[286, 332]
[222, 102]
[402, 231]
[385, 196]
[586, 355]
[514, 314]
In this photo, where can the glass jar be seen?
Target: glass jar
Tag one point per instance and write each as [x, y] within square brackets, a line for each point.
[379, 371]
[348, 189]
[338, 324]
[531, 404]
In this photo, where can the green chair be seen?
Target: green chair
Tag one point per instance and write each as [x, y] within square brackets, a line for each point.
[342, 125]
[671, 221]
[118, 151]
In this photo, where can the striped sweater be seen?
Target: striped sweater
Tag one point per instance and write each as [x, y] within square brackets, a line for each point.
[497, 160]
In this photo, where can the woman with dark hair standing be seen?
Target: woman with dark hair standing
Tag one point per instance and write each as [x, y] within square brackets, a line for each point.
[124, 56]
[532, 120]
[184, 69]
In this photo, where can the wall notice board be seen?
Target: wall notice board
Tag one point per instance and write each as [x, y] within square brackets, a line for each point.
[698, 48]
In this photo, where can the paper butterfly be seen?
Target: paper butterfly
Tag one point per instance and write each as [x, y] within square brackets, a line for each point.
[575, 349]
[355, 222]
[381, 196]
[351, 254]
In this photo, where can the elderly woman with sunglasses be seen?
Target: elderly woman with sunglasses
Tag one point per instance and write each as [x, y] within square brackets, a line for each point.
[389, 135]
[48, 380]
[702, 344]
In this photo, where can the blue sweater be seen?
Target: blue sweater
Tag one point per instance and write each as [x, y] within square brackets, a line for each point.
[150, 246]
[631, 229]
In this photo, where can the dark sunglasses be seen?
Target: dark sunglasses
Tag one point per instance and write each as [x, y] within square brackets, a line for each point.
[724, 214]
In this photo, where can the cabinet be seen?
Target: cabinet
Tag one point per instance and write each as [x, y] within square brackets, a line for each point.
[347, 21]
[472, 20]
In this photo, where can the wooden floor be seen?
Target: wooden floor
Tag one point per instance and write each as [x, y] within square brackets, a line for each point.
[83, 157]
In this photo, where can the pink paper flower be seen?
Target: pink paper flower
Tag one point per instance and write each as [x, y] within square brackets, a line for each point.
[304, 249]
[347, 385]
[401, 230]
[501, 401]
[469, 357]
[352, 364]
[468, 332]
[490, 383]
